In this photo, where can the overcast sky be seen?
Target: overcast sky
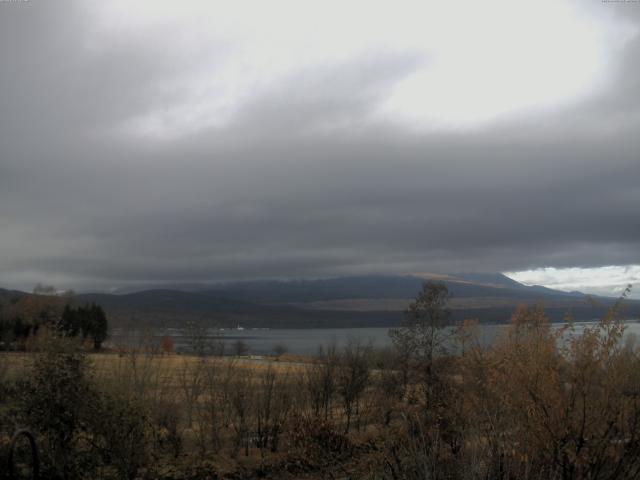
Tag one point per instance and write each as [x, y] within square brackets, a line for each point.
[152, 141]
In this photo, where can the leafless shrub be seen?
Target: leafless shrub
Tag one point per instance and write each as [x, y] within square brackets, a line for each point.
[242, 402]
[320, 379]
[240, 348]
[272, 408]
[165, 426]
[353, 379]
[279, 350]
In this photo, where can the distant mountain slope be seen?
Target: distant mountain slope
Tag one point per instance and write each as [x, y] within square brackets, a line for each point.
[171, 300]
[374, 286]
[494, 279]
[377, 287]
[4, 293]
[176, 308]
[376, 300]
[164, 305]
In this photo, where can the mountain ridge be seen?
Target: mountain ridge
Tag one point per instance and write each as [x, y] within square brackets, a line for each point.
[366, 300]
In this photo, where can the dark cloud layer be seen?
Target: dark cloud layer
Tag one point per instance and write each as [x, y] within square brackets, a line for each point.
[297, 183]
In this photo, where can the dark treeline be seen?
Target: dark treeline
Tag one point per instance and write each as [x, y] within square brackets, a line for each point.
[23, 317]
[88, 321]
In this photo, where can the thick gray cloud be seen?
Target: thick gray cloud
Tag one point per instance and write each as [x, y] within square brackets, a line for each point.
[301, 179]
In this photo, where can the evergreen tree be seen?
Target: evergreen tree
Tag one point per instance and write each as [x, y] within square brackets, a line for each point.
[88, 320]
[99, 325]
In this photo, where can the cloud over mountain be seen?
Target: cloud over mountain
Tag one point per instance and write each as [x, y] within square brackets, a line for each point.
[157, 145]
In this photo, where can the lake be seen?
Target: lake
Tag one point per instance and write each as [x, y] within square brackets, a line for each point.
[296, 341]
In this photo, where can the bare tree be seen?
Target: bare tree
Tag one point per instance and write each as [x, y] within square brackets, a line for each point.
[212, 407]
[320, 379]
[423, 337]
[353, 378]
[241, 400]
[191, 383]
[240, 348]
[279, 350]
[272, 405]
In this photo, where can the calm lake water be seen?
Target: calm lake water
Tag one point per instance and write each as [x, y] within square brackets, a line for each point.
[296, 341]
